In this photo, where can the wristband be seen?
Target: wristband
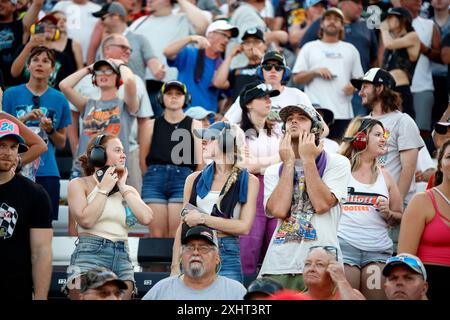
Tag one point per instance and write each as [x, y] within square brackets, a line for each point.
[103, 192]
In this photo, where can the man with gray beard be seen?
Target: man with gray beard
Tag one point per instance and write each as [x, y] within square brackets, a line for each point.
[199, 280]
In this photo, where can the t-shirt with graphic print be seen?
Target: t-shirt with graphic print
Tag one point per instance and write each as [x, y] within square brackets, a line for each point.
[110, 117]
[64, 67]
[18, 101]
[11, 35]
[17, 217]
[288, 248]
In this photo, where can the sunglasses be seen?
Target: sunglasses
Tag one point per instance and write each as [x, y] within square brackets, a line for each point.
[330, 249]
[269, 67]
[121, 46]
[203, 249]
[106, 72]
[413, 263]
[441, 129]
[36, 102]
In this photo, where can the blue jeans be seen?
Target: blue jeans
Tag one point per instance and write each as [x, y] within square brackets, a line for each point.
[164, 183]
[230, 258]
[92, 252]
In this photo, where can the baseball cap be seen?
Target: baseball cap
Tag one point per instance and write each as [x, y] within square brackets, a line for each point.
[201, 232]
[49, 17]
[253, 32]
[375, 76]
[174, 83]
[309, 3]
[100, 63]
[335, 11]
[113, 7]
[317, 124]
[327, 114]
[256, 90]
[441, 127]
[399, 11]
[213, 132]
[9, 128]
[96, 278]
[408, 260]
[222, 25]
[274, 55]
[265, 286]
[198, 113]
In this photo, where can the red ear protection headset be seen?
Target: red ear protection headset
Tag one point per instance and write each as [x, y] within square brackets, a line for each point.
[359, 140]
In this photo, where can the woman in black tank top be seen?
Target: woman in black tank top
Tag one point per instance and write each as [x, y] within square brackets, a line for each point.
[169, 153]
[65, 44]
[402, 46]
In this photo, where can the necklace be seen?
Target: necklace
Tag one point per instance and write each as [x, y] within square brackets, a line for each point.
[442, 195]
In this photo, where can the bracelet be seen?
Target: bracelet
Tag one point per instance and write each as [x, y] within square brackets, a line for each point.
[126, 193]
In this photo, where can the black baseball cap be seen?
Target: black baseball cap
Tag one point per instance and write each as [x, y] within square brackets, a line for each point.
[253, 32]
[174, 83]
[327, 114]
[256, 90]
[274, 55]
[113, 7]
[401, 12]
[375, 76]
[201, 232]
[264, 286]
[102, 62]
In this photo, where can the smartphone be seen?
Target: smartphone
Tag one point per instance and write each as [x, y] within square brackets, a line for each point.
[39, 29]
[99, 175]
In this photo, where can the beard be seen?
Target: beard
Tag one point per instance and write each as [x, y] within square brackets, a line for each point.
[195, 270]
[6, 165]
[368, 100]
[331, 32]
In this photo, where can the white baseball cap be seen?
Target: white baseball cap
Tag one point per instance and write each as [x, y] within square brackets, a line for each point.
[223, 25]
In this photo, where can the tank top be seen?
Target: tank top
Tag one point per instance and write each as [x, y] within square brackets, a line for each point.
[112, 222]
[165, 140]
[434, 246]
[361, 224]
[68, 50]
[399, 59]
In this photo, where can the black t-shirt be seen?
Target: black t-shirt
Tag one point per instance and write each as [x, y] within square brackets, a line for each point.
[446, 43]
[23, 205]
[11, 39]
[292, 11]
[240, 77]
[64, 67]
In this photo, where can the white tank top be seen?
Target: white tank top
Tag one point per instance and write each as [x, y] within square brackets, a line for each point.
[112, 223]
[361, 224]
[423, 79]
[207, 203]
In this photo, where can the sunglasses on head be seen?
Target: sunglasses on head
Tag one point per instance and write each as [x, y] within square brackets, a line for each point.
[106, 72]
[330, 249]
[269, 67]
[408, 260]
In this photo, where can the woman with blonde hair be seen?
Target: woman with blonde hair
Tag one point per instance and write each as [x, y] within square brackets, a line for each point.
[222, 196]
[104, 207]
[373, 203]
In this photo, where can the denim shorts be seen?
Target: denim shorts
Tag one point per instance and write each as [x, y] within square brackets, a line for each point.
[92, 252]
[230, 258]
[360, 258]
[164, 183]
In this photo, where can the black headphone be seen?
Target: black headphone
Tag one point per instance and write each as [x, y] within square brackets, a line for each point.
[187, 95]
[97, 157]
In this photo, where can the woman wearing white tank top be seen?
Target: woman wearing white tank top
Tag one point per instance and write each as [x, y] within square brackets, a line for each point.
[373, 204]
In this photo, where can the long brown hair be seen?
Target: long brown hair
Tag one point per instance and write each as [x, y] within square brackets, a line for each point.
[439, 175]
[87, 168]
[390, 100]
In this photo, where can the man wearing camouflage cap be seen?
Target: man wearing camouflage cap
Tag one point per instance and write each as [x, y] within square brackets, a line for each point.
[303, 192]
